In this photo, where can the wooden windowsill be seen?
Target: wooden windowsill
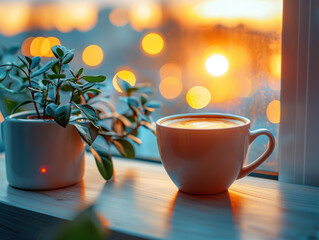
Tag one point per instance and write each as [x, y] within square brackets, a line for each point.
[142, 202]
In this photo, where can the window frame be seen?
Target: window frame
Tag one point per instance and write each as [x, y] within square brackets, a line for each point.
[298, 144]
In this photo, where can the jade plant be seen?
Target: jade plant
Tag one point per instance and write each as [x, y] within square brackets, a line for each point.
[70, 97]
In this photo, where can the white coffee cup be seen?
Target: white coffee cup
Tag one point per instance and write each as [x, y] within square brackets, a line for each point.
[208, 161]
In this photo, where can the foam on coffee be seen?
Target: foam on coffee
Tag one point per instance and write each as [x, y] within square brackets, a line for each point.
[202, 123]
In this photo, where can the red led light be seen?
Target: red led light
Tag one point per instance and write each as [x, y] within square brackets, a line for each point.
[43, 170]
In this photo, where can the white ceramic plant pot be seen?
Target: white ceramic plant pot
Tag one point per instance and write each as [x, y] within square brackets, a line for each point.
[40, 154]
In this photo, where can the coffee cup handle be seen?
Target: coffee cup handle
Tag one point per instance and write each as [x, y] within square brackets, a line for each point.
[245, 170]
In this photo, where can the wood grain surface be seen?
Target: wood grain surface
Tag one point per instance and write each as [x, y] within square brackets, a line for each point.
[143, 202]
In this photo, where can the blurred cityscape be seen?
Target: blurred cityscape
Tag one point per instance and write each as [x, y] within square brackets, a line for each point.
[199, 55]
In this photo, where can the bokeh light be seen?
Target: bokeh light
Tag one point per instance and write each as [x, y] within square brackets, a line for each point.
[231, 87]
[43, 15]
[198, 97]
[14, 17]
[274, 80]
[245, 87]
[275, 65]
[125, 75]
[274, 83]
[273, 111]
[80, 15]
[170, 70]
[47, 44]
[35, 48]
[145, 15]
[26, 46]
[92, 55]
[119, 17]
[217, 65]
[85, 15]
[170, 87]
[259, 15]
[152, 43]
[39, 46]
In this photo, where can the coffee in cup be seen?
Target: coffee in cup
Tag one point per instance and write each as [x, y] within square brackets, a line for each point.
[202, 123]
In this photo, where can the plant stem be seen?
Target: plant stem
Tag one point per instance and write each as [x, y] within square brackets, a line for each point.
[76, 81]
[32, 93]
[58, 89]
[45, 102]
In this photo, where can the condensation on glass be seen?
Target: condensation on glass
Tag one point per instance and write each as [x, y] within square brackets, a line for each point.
[200, 56]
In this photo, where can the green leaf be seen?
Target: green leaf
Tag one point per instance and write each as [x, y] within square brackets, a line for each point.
[50, 109]
[25, 63]
[58, 53]
[133, 101]
[46, 81]
[86, 225]
[55, 67]
[153, 104]
[94, 79]
[124, 147]
[80, 72]
[10, 90]
[84, 133]
[74, 85]
[143, 100]
[87, 86]
[68, 58]
[3, 74]
[94, 90]
[103, 162]
[45, 68]
[28, 59]
[88, 111]
[72, 73]
[124, 86]
[76, 97]
[58, 98]
[149, 126]
[66, 87]
[55, 76]
[145, 90]
[23, 103]
[35, 62]
[62, 114]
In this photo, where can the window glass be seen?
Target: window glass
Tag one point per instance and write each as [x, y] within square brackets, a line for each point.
[200, 56]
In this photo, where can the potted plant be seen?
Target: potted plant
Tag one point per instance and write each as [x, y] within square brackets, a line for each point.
[44, 147]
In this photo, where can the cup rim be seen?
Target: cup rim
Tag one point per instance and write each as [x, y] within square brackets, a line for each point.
[246, 121]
